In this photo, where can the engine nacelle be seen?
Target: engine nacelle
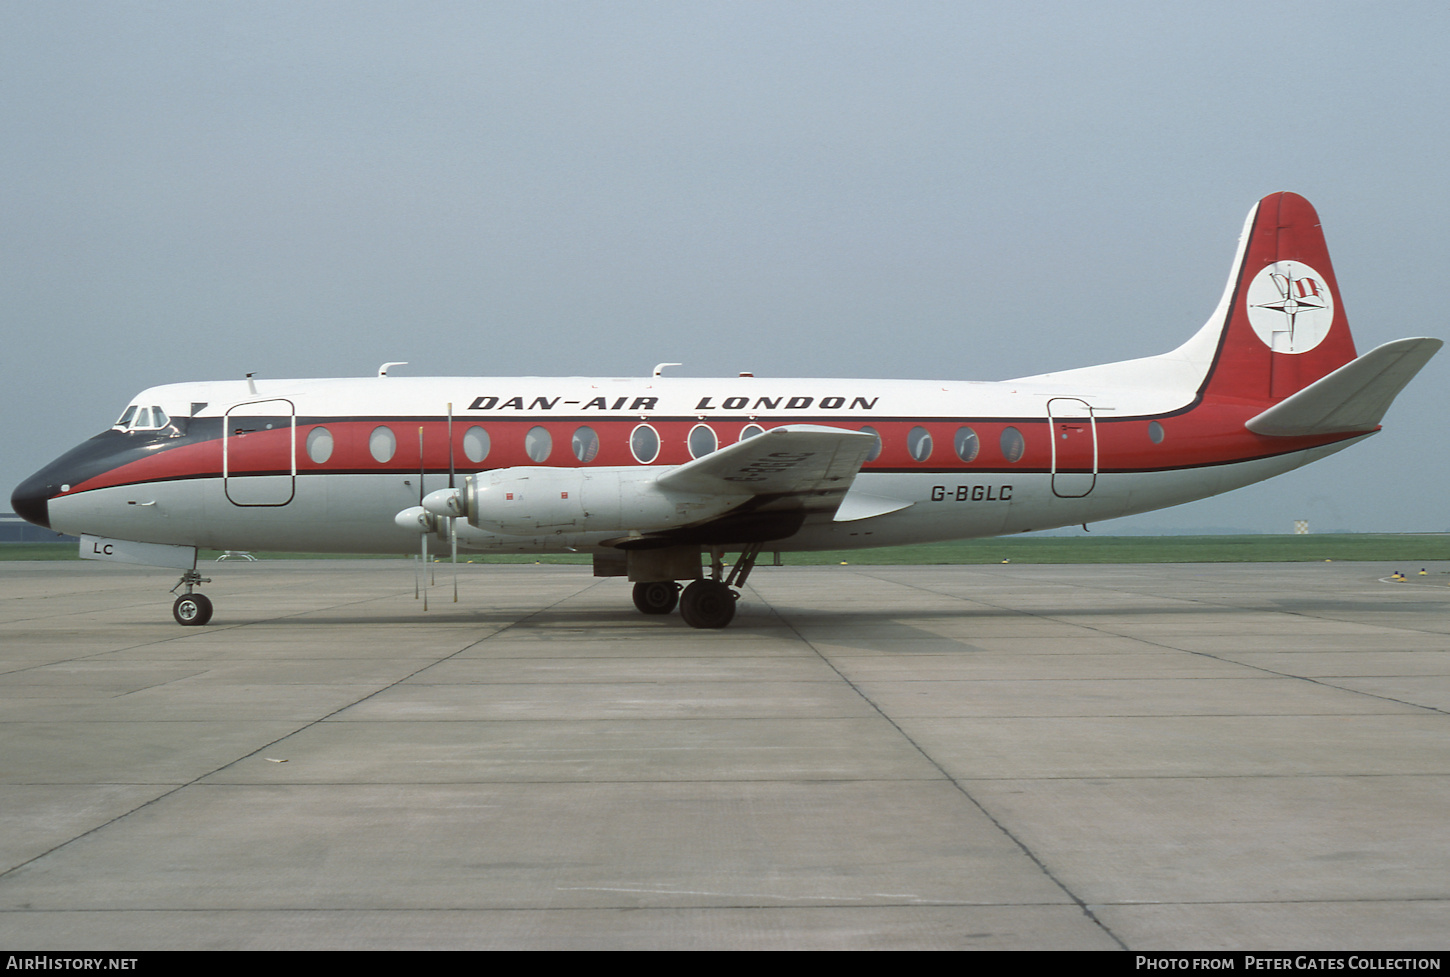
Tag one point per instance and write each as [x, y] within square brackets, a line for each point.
[527, 501]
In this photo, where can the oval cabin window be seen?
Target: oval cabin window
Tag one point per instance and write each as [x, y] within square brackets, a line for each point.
[1012, 444]
[875, 451]
[538, 444]
[475, 444]
[319, 445]
[918, 443]
[585, 444]
[382, 445]
[966, 444]
[644, 443]
[702, 441]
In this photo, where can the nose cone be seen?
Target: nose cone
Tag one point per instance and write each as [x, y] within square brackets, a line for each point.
[414, 517]
[444, 502]
[31, 499]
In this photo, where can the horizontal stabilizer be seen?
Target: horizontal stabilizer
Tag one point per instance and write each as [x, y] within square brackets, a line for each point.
[799, 460]
[1353, 397]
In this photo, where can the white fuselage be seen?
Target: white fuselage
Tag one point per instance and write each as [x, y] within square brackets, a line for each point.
[1087, 454]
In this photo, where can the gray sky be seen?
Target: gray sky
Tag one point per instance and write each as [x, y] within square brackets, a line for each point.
[940, 190]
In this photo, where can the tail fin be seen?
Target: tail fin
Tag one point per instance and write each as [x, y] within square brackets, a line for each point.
[1281, 323]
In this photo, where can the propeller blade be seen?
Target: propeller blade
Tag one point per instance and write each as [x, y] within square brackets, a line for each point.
[422, 473]
[452, 524]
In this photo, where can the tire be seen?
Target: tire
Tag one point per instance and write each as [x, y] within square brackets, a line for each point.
[708, 604]
[191, 610]
[656, 596]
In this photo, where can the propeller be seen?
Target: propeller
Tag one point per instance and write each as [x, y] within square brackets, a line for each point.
[421, 470]
[452, 522]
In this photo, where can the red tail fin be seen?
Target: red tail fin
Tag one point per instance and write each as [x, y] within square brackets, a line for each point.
[1286, 325]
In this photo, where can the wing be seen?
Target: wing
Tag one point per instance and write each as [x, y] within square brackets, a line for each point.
[799, 466]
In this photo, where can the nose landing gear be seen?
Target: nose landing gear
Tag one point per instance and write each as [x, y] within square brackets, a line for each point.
[190, 609]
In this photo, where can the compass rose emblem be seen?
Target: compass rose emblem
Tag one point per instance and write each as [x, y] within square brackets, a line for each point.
[1290, 307]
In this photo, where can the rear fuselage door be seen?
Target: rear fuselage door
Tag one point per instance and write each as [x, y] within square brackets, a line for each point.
[1074, 447]
[259, 453]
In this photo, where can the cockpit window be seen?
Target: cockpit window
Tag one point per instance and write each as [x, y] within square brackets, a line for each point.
[138, 418]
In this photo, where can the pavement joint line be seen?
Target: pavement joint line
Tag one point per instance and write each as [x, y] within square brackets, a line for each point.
[309, 724]
[1193, 651]
[957, 784]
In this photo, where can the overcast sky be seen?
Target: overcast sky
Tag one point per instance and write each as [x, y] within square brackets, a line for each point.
[941, 190]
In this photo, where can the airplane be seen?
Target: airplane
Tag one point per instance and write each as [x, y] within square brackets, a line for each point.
[652, 474]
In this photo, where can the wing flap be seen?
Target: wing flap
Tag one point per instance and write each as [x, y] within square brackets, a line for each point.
[1353, 397]
[859, 505]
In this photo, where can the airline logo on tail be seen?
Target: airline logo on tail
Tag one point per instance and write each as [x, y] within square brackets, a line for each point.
[1290, 307]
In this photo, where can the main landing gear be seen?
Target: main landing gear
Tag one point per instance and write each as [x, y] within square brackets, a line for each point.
[704, 603]
[656, 596]
[708, 604]
[191, 610]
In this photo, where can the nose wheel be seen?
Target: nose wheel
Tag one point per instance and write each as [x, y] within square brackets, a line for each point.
[191, 610]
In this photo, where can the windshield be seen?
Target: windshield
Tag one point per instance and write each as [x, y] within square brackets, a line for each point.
[138, 418]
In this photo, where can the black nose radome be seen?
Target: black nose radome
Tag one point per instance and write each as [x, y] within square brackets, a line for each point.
[31, 500]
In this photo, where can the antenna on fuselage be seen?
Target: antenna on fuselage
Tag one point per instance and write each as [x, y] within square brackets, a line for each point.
[383, 370]
[660, 368]
[251, 387]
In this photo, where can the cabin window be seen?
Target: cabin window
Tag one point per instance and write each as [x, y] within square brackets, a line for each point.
[1012, 444]
[750, 431]
[319, 445]
[538, 444]
[918, 443]
[125, 419]
[644, 443]
[382, 444]
[966, 444]
[875, 451]
[475, 444]
[159, 418]
[702, 441]
[1155, 432]
[585, 444]
[143, 418]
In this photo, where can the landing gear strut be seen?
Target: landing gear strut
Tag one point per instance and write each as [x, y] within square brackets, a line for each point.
[191, 610]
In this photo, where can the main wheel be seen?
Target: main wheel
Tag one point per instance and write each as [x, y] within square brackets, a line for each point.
[656, 596]
[708, 604]
[191, 610]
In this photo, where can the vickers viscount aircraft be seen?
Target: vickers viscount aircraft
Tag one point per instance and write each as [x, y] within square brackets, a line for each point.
[652, 474]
